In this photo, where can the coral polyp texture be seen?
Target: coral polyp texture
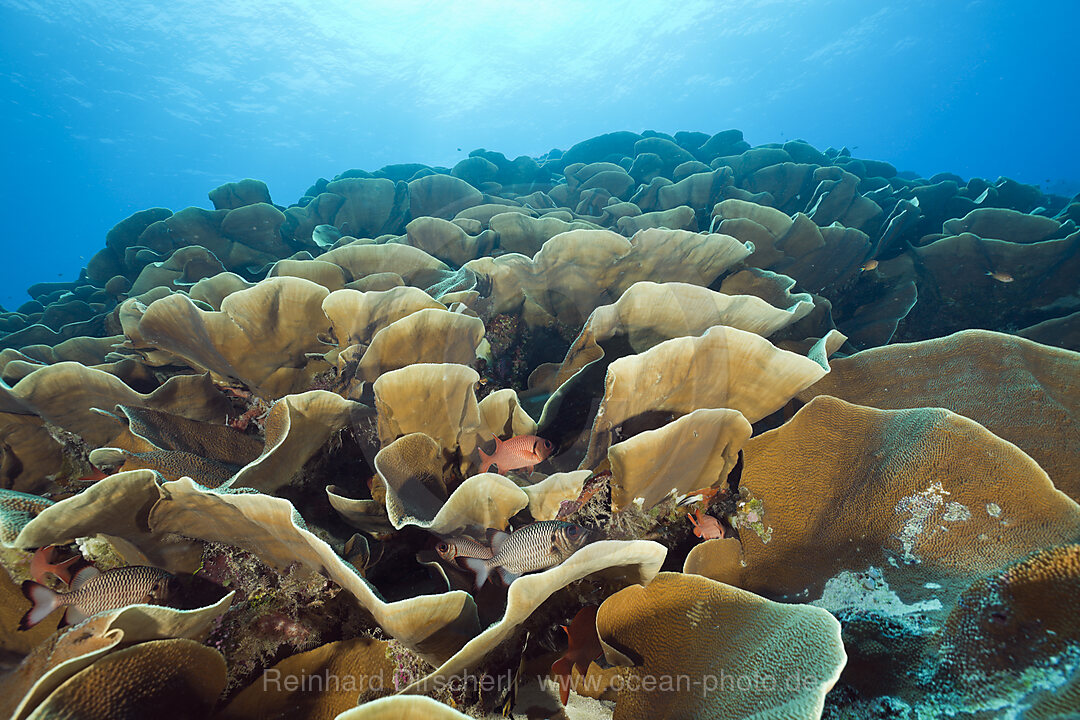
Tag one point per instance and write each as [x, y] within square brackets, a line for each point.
[798, 430]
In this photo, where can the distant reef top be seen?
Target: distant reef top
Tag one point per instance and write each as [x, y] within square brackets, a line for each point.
[898, 257]
[771, 414]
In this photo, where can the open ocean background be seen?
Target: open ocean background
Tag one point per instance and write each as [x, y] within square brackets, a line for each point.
[114, 107]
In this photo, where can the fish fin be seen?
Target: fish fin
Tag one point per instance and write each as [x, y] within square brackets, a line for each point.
[507, 576]
[478, 567]
[528, 469]
[561, 669]
[498, 444]
[73, 616]
[44, 602]
[63, 570]
[496, 538]
[83, 575]
[697, 523]
[485, 460]
[39, 563]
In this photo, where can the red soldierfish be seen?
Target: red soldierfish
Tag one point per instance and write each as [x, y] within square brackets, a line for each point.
[583, 646]
[95, 475]
[530, 548]
[94, 591]
[522, 451]
[45, 561]
[706, 526]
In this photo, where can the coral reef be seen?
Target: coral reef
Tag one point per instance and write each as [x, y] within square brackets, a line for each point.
[796, 401]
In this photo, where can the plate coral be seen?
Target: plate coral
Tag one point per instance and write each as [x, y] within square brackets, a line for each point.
[817, 419]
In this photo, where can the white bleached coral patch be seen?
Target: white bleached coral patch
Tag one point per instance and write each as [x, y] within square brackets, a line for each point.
[868, 591]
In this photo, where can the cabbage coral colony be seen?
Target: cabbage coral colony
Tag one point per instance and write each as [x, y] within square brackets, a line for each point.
[775, 432]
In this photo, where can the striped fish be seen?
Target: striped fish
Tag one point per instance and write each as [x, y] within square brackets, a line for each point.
[17, 509]
[538, 546]
[522, 452]
[94, 591]
[461, 547]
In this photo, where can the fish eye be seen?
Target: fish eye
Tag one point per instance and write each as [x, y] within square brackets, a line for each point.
[442, 547]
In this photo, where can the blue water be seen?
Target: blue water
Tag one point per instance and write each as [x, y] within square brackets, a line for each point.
[113, 107]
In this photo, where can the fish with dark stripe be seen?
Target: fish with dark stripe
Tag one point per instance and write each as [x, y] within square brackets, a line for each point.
[538, 546]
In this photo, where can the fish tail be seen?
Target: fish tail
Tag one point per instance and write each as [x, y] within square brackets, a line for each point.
[44, 602]
[561, 669]
[478, 567]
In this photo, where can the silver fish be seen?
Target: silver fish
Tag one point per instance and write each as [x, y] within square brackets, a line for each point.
[94, 591]
[461, 547]
[538, 546]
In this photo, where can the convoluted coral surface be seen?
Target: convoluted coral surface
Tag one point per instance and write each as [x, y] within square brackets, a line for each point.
[658, 427]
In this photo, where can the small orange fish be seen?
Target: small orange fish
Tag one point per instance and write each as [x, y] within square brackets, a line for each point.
[704, 496]
[583, 646]
[706, 527]
[869, 265]
[587, 493]
[520, 452]
[95, 475]
[45, 561]
[1000, 276]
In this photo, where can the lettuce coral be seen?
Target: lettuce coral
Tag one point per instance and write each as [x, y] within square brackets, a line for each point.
[296, 399]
